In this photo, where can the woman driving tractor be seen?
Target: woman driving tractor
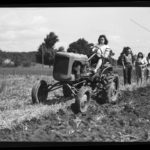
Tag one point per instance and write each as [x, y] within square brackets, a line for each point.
[102, 51]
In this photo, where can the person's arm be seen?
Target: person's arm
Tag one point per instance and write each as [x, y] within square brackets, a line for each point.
[93, 49]
[133, 59]
[142, 65]
[122, 60]
[108, 53]
[144, 62]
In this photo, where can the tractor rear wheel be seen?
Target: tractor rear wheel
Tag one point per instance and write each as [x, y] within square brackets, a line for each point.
[82, 100]
[110, 91]
[39, 92]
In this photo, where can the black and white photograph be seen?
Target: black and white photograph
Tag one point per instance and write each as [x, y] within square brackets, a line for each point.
[75, 74]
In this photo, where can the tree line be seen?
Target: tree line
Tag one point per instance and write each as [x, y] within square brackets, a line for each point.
[46, 51]
[18, 58]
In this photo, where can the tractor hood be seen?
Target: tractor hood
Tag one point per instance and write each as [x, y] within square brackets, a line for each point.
[63, 64]
[73, 56]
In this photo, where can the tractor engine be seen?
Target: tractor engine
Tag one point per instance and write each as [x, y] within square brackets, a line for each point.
[69, 66]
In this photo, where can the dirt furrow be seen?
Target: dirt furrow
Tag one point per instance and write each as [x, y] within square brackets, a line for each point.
[128, 120]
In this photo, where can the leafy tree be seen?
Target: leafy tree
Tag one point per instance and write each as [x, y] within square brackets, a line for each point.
[46, 50]
[113, 61]
[50, 40]
[17, 61]
[81, 46]
[17, 57]
[41, 50]
[61, 49]
[26, 64]
[49, 56]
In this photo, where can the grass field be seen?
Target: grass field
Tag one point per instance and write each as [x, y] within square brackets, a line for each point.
[15, 100]
[38, 70]
[26, 71]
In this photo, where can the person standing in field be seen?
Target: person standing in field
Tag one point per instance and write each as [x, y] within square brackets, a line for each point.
[148, 59]
[127, 63]
[148, 66]
[102, 50]
[140, 67]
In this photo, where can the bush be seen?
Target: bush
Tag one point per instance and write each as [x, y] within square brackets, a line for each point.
[26, 64]
[7, 65]
[33, 64]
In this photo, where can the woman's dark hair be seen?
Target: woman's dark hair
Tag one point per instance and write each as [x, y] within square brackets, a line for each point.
[140, 53]
[103, 36]
[125, 49]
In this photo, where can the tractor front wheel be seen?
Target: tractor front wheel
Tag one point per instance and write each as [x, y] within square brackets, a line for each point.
[82, 100]
[39, 92]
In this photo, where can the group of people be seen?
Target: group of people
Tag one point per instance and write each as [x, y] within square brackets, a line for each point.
[141, 63]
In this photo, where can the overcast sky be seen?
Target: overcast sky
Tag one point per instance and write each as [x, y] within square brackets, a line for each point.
[23, 29]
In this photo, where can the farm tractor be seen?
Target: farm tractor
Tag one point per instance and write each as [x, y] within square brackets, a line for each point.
[74, 74]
